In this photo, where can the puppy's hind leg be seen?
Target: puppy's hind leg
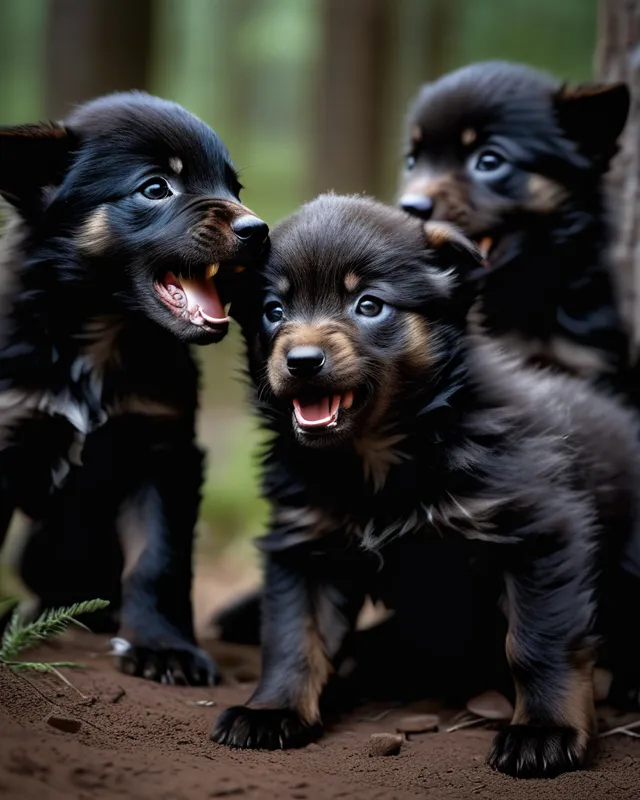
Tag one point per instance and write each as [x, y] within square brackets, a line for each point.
[550, 651]
[308, 610]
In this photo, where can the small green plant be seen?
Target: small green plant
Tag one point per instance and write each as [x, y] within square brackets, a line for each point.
[20, 636]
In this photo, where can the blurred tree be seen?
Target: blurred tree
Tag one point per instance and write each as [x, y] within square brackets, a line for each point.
[618, 59]
[94, 47]
[347, 134]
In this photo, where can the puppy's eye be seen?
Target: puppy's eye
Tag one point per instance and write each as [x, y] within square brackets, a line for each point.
[369, 306]
[155, 189]
[489, 161]
[410, 162]
[273, 312]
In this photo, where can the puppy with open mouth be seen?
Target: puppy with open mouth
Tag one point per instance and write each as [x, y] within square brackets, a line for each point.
[392, 425]
[517, 161]
[127, 243]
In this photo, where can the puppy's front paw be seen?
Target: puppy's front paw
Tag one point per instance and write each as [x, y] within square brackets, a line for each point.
[181, 663]
[263, 729]
[529, 751]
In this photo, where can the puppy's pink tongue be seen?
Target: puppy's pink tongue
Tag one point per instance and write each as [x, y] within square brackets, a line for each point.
[316, 413]
[202, 292]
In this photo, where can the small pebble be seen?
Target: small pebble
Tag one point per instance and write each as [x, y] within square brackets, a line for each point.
[385, 744]
[418, 723]
[491, 705]
[64, 724]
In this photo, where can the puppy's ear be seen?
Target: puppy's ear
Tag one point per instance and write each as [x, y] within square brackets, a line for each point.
[31, 158]
[594, 116]
[457, 259]
[453, 251]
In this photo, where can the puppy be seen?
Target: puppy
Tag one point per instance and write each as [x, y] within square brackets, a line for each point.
[127, 242]
[391, 425]
[516, 161]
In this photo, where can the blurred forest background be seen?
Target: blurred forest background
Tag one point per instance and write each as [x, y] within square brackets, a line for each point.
[309, 95]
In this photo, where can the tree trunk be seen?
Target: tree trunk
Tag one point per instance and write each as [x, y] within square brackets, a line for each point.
[94, 47]
[348, 131]
[618, 59]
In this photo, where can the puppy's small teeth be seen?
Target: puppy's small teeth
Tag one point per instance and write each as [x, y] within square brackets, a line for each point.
[211, 271]
[347, 400]
[484, 245]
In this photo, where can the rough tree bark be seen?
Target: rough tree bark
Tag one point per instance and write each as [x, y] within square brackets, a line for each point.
[618, 59]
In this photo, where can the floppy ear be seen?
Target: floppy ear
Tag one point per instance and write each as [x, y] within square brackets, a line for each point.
[32, 157]
[594, 116]
[458, 260]
[454, 251]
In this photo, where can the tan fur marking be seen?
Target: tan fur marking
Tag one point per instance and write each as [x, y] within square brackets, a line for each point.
[322, 334]
[318, 671]
[416, 134]
[544, 195]
[578, 707]
[437, 234]
[283, 285]
[176, 164]
[418, 350]
[101, 334]
[351, 282]
[94, 236]
[468, 137]
[379, 452]
[132, 533]
[144, 406]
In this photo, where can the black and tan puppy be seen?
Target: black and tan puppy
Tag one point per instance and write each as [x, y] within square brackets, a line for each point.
[127, 242]
[391, 425]
[516, 160]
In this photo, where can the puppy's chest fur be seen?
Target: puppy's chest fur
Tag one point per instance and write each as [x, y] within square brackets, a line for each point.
[101, 375]
[382, 493]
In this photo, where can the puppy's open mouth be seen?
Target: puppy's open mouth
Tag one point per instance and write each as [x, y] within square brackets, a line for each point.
[319, 412]
[195, 299]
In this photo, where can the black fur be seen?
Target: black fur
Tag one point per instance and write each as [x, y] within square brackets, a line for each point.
[98, 388]
[547, 287]
[447, 437]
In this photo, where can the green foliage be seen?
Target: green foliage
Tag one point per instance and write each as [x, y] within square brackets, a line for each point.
[20, 636]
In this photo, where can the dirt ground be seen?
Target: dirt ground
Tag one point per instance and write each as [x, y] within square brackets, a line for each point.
[141, 740]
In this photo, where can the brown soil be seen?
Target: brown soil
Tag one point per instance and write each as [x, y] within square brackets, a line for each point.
[144, 740]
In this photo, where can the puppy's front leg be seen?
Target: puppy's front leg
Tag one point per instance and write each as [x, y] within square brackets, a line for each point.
[551, 654]
[308, 609]
[157, 522]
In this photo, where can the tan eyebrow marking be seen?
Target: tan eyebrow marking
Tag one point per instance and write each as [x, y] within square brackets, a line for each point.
[351, 281]
[176, 164]
[469, 135]
[283, 285]
[416, 133]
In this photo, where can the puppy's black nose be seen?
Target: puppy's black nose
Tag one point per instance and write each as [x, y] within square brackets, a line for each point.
[304, 361]
[419, 205]
[250, 229]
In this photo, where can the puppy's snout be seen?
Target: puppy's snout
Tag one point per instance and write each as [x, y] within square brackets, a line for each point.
[250, 230]
[305, 361]
[417, 204]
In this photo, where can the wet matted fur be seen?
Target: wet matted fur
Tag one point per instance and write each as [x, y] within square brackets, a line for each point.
[393, 426]
[517, 161]
[122, 215]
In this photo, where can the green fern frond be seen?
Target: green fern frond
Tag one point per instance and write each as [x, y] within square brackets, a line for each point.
[19, 637]
[39, 666]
